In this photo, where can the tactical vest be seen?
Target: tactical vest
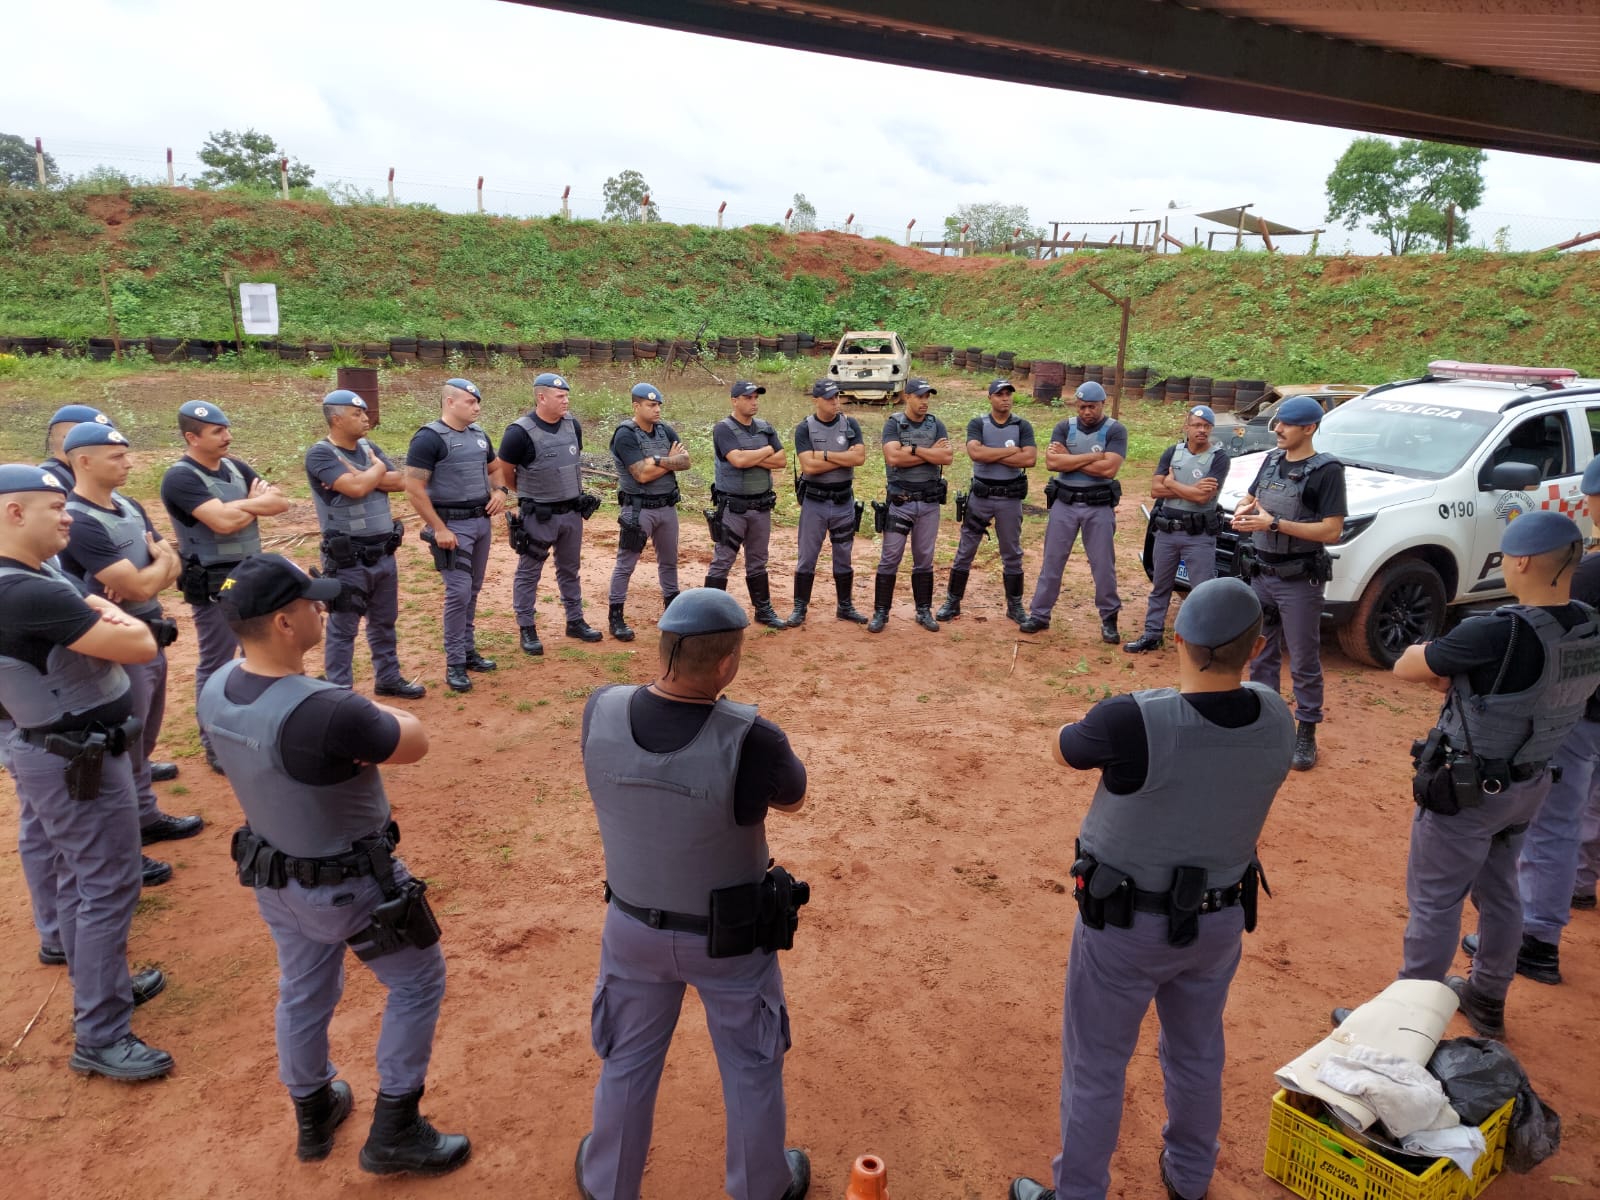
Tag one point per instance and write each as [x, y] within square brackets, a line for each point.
[368, 517]
[199, 540]
[1525, 728]
[461, 478]
[303, 820]
[125, 528]
[556, 473]
[922, 434]
[834, 438]
[71, 682]
[748, 481]
[1280, 492]
[998, 437]
[1189, 469]
[655, 444]
[1205, 795]
[1082, 441]
[666, 820]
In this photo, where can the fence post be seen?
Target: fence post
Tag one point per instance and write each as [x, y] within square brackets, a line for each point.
[961, 249]
[786, 217]
[721, 208]
[38, 160]
[1450, 227]
[283, 176]
[111, 314]
[391, 187]
[644, 209]
[171, 179]
[909, 224]
[849, 222]
[480, 194]
[566, 208]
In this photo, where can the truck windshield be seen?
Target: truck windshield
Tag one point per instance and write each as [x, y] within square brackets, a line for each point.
[1406, 437]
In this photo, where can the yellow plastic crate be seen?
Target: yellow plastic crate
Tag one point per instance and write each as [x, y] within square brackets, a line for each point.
[1321, 1163]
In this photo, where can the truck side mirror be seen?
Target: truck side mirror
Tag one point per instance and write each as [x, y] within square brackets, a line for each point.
[1508, 477]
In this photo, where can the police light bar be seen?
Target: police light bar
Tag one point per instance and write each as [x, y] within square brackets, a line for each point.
[1445, 368]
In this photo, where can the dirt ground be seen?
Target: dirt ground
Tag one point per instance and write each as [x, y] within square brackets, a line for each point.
[925, 987]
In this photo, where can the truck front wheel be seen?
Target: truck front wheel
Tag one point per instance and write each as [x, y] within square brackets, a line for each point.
[1403, 605]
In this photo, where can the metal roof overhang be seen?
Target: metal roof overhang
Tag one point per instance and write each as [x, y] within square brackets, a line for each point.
[1520, 75]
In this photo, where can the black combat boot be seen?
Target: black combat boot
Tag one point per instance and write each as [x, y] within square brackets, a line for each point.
[477, 662]
[619, 625]
[1487, 1017]
[804, 581]
[922, 597]
[456, 677]
[402, 1140]
[721, 584]
[1145, 643]
[761, 600]
[882, 598]
[844, 586]
[952, 601]
[1014, 610]
[666, 600]
[1032, 624]
[583, 631]
[1108, 630]
[1305, 747]
[318, 1115]
[530, 639]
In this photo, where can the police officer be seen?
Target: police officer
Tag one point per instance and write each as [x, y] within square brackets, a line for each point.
[1002, 449]
[447, 479]
[351, 480]
[215, 502]
[539, 453]
[828, 448]
[747, 451]
[1186, 519]
[916, 450]
[1086, 452]
[1166, 880]
[649, 454]
[1517, 683]
[115, 551]
[65, 419]
[682, 781]
[301, 756]
[1295, 508]
[62, 682]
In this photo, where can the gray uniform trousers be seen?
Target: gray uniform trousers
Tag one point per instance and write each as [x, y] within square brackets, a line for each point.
[461, 586]
[381, 583]
[215, 645]
[834, 522]
[1589, 843]
[924, 518]
[755, 530]
[1199, 554]
[1291, 621]
[96, 844]
[637, 998]
[147, 685]
[1099, 527]
[41, 862]
[1547, 873]
[1469, 853]
[310, 927]
[562, 535]
[660, 526]
[1007, 518]
[1112, 976]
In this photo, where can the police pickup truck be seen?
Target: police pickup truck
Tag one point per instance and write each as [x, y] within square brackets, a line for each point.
[1435, 468]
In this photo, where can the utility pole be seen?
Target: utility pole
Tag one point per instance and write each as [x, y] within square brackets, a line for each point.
[1122, 345]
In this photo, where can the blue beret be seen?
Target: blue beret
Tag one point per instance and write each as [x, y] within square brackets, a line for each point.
[344, 398]
[201, 410]
[1217, 611]
[824, 389]
[551, 379]
[1299, 410]
[1090, 393]
[1001, 385]
[1539, 532]
[465, 385]
[647, 391]
[17, 477]
[703, 610]
[921, 387]
[1591, 477]
[77, 413]
[1203, 411]
[88, 433]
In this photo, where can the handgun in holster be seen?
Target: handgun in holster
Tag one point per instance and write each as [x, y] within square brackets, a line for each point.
[1183, 913]
[588, 505]
[961, 508]
[195, 582]
[443, 560]
[880, 516]
[855, 526]
[714, 525]
[517, 533]
[338, 551]
[85, 764]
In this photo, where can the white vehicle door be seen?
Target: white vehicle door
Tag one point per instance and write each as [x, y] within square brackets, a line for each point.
[1541, 440]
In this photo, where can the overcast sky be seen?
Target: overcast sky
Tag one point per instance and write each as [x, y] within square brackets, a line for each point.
[446, 90]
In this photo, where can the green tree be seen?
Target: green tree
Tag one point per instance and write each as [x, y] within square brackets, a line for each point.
[805, 215]
[1404, 192]
[17, 165]
[625, 195]
[990, 225]
[247, 159]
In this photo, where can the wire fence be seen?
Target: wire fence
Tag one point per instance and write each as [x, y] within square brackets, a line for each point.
[364, 183]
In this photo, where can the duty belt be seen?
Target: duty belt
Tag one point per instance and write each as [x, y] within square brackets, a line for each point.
[1097, 497]
[642, 500]
[65, 743]
[764, 502]
[460, 512]
[659, 918]
[554, 507]
[1000, 489]
[902, 493]
[369, 552]
[1196, 523]
[823, 494]
[1214, 899]
[270, 867]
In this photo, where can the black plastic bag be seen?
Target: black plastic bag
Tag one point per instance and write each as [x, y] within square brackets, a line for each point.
[1479, 1075]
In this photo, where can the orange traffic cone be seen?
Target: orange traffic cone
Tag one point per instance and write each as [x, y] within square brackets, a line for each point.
[869, 1179]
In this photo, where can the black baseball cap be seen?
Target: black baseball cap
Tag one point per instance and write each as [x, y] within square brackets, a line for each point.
[264, 583]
